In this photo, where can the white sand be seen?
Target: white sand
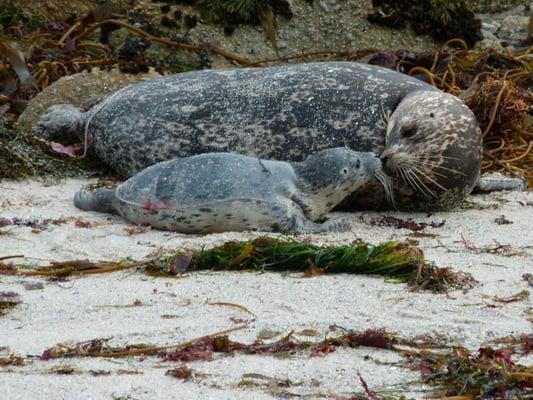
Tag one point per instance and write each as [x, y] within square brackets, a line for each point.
[175, 310]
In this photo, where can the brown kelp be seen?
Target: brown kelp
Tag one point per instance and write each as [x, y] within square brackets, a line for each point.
[452, 371]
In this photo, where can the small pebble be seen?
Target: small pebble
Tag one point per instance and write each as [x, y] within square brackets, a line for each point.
[33, 285]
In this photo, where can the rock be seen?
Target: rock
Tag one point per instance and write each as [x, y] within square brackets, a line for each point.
[59, 10]
[493, 6]
[496, 181]
[76, 89]
[505, 29]
[490, 27]
[325, 25]
[33, 285]
[329, 5]
[513, 28]
[489, 41]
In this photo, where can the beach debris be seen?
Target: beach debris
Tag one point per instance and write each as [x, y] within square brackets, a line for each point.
[136, 229]
[520, 296]
[5, 222]
[497, 181]
[275, 386]
[100, 348]
[371, 395]
[184, 373]
[502, 220]
[399, 223]
[36, 224]
[8, 301]
[80, 223]
[233, 305]
[450, 369]
[179, 264]
[63, 369]
[485, 373]
[11, 359]
[505, 250]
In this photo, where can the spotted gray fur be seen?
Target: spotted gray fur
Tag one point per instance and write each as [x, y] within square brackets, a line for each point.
[286, 113]
[218, 192]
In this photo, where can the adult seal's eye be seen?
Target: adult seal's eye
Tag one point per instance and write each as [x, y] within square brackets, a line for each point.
[344, 171]
[408, 132]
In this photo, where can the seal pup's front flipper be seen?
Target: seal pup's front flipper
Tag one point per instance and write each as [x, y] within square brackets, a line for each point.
[298, 223]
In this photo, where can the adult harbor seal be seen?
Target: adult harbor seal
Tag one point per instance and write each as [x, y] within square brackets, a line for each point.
[429, 140]
[218, 192]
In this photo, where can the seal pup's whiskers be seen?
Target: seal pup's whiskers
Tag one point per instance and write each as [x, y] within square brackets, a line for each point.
[386, 182]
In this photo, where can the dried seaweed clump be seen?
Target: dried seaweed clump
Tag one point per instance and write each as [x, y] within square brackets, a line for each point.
[504, 109]
[443, 19]
[8, 300]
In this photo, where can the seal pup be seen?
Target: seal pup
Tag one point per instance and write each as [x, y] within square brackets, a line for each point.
[287, 113]
[217, 192]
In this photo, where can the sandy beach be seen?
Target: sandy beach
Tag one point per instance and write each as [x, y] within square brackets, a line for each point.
[132, 307]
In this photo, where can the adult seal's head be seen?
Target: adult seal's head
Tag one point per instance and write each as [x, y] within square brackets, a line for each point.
[432, 143]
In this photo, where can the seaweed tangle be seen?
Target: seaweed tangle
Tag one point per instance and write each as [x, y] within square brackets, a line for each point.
[451, 371]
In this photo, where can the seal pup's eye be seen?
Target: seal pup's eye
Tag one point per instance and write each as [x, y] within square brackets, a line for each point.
[408, 132]
[432, 115]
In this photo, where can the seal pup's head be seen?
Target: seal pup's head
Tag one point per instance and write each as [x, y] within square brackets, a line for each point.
[433, 144]
[330, 175]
